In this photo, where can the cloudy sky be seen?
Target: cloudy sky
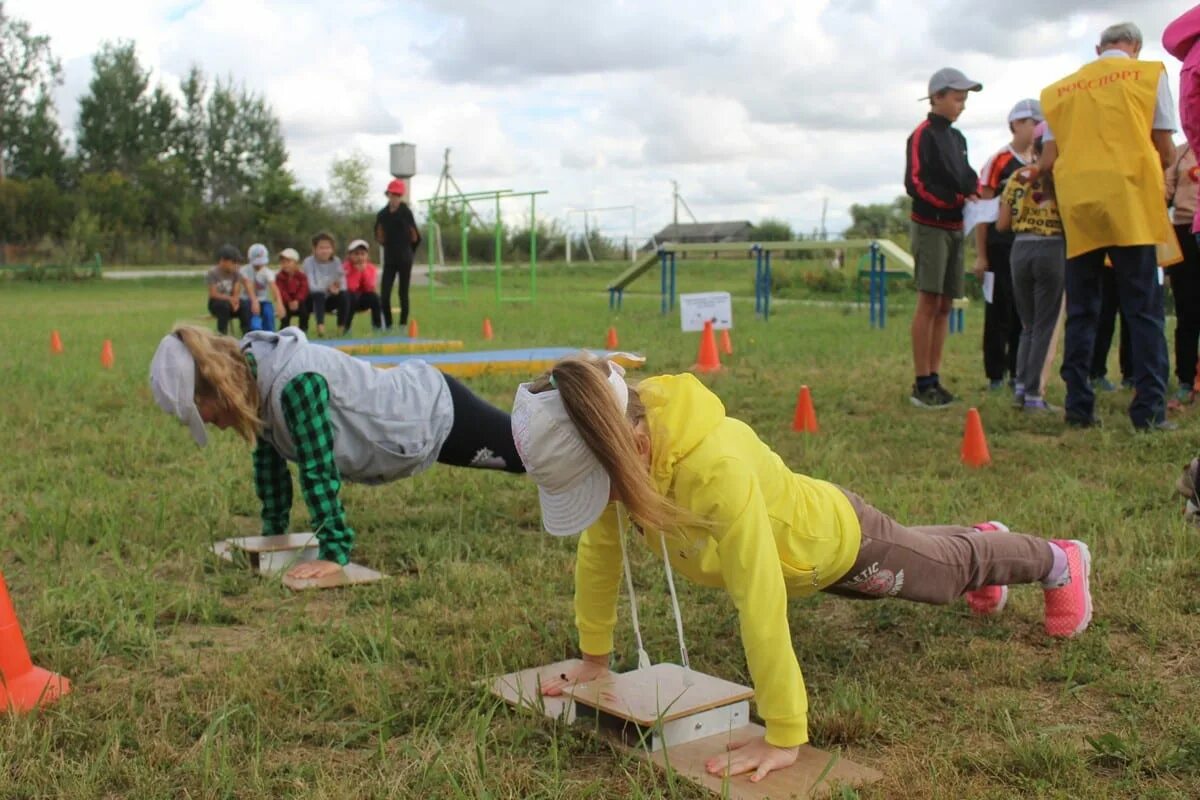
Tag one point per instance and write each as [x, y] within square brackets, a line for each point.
[756, 108]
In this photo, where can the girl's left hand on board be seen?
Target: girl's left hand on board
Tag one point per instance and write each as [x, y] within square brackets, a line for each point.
[314, 569]
[752, 755]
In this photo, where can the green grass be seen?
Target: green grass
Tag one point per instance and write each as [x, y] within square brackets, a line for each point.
[192, 679]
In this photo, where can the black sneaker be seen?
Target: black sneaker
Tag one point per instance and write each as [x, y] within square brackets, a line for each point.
[930, 398]
[943, 393]
[1083, 422]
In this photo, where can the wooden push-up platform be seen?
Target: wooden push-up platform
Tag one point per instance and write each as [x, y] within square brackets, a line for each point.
[679, 719]
[272, 555]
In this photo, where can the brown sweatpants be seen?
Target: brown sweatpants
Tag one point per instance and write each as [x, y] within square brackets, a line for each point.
[936, 563]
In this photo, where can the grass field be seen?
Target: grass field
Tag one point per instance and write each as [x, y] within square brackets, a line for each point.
[192, 679]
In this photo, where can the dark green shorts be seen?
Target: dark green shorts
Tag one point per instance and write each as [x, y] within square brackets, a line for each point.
[938, 254]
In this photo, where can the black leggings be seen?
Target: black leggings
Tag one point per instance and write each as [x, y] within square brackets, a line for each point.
[403, 271]
[481, 436]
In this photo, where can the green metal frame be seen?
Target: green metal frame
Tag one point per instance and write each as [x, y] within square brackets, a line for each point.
[463, 202]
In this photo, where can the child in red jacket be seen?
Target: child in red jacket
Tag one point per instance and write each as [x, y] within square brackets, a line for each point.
[292, 284]
[361, 284]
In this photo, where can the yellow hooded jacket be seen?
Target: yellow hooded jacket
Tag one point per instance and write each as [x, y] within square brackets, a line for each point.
[771, 534]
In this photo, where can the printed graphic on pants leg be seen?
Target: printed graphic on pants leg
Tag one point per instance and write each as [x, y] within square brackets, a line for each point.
[875, 581]
[486, 459]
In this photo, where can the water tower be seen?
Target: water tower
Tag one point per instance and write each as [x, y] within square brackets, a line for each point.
[404, 162]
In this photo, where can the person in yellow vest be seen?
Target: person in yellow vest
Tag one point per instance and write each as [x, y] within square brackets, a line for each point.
[1107, 144]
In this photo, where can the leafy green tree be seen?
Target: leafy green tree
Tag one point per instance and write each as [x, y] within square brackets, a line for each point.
[119, 122]
[29, 136]
[350, 183]
[880, 219]
[773, 230]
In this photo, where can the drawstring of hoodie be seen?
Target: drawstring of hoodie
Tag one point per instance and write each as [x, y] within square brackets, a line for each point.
[643, 656]
[683, 656]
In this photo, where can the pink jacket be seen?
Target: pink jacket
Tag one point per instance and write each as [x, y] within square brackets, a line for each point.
[360, 281]
[1182, 40]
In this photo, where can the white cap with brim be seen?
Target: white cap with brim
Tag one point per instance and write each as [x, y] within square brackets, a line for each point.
[1026, 109]
[357, 243]
[573, 486]
[173, 382]
[951, 78]
[289, 252]
[258, 255]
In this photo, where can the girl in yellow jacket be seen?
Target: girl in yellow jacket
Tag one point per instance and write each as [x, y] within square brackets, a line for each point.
[733, 516]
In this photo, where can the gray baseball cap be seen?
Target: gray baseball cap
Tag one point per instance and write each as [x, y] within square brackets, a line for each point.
[1026, 109]
[173, 382]
[951, 78]
[258, 255]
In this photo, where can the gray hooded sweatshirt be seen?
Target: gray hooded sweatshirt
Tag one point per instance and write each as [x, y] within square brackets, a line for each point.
[387, 424]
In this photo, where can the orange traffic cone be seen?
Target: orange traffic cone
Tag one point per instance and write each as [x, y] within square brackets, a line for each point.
[23, 686]
[55, 342]
[707, 359]
[726, 342]
[106, 355]
[805, 419]
[611, 341]
[412, 329]
[487, 329]
[974, 444]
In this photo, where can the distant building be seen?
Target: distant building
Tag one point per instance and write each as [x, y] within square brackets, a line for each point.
[703, 232]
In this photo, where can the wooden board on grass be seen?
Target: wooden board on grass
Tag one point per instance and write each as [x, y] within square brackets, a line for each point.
[804, 779]
[814, 774]
[350, 575]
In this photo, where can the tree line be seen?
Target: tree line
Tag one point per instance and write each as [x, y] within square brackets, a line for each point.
[151, 176]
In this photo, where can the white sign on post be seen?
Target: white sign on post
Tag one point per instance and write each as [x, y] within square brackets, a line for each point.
[701, 307]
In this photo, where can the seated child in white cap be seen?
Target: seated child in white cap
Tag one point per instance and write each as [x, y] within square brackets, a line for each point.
[361, 282]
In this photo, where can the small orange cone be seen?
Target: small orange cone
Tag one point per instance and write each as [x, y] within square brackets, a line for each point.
[726, 342]
[974, 444]
[23, 686]
[106, 355]
[805, 420]
[412, 329]
[611, 341]
[707, 359]
[487, 329]
[55, 342]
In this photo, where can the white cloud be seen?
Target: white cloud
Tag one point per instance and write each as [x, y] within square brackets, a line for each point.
[757, 109]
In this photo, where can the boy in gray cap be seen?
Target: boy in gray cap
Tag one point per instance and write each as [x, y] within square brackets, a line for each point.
[939, 180]
[1001, 324]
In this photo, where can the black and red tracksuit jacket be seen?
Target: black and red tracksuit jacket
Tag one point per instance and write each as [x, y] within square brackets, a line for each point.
[937, 175]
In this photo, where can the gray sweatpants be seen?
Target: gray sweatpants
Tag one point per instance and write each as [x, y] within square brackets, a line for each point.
[937, 563]
[1038, 266]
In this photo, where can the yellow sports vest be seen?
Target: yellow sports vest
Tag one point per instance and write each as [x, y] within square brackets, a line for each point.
[1108, 176]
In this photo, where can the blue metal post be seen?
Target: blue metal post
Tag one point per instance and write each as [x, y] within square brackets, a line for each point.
[757, 278]
[882, 290]
[662, 260]
[672, 281]
[766, 287]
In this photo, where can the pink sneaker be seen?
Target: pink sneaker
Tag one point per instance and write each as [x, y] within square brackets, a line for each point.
[1069, 605]
[989, 599]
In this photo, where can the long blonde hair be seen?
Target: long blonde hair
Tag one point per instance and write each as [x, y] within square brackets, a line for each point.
[583, 385]
[223, 376]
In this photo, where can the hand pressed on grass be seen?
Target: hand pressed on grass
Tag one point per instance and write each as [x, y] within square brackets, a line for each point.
[592, 667]
[752, 755]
